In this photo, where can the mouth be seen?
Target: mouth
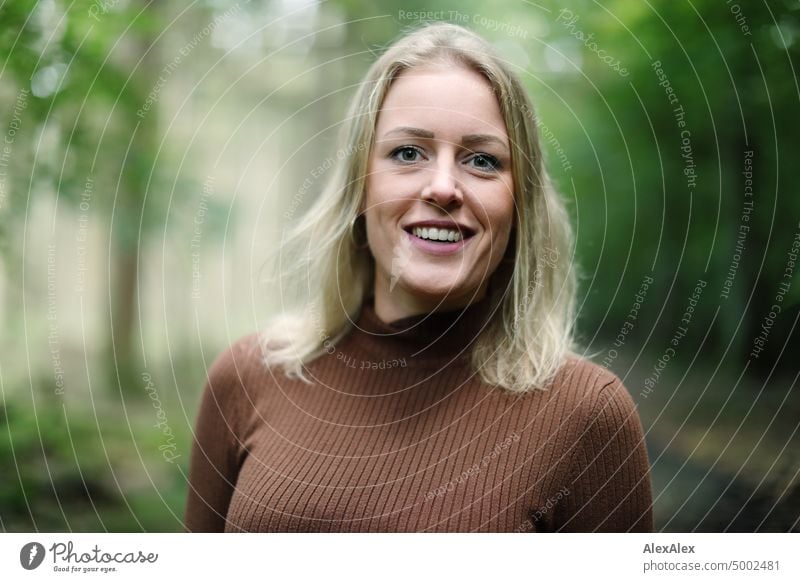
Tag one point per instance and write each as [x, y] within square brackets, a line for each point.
[439, 242]
[442, 236]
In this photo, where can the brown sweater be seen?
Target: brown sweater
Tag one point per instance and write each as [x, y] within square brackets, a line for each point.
[397, 435]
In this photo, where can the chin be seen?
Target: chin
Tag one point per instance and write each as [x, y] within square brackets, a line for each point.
[437, 293]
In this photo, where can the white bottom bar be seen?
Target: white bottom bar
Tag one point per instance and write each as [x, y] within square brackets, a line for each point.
[400, 557]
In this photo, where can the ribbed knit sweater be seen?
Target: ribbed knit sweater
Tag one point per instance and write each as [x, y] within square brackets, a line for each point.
[397, 434]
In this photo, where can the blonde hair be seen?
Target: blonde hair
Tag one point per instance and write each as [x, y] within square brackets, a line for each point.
[528, 339]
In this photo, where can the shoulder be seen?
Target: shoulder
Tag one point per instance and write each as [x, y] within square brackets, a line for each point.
[594, 390]
[585, 374]
[238, 357]
[230, 371]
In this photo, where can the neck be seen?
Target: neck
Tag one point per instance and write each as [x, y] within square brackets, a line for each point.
[430, 337]
[399, 305]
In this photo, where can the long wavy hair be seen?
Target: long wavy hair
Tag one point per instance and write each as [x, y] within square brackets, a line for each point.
[531, 334]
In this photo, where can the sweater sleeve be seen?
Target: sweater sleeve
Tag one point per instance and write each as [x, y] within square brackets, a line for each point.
[214, 465]
[609, 490]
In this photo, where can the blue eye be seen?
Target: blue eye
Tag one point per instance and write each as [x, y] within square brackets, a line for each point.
[485, 162]
[406, 154]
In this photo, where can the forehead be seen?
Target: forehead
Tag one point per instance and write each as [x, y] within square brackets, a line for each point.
[446, 99]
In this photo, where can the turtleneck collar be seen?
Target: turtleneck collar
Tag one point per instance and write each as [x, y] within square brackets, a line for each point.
[424, 337]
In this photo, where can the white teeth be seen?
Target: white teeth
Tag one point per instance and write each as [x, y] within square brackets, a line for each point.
[440, 234]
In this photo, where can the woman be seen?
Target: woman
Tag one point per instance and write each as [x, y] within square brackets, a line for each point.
[428, 383]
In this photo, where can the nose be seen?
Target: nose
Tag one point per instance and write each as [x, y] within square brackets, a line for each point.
[443, 188]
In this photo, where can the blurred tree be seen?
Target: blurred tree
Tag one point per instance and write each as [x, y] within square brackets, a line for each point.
[88, 71]
[735, 97]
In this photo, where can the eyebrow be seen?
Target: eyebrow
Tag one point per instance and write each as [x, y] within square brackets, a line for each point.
[469, 140]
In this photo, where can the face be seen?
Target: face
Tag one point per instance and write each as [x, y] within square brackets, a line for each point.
[440, 168]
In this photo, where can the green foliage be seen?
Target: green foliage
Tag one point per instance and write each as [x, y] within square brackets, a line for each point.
[72, 469]
[53, 468]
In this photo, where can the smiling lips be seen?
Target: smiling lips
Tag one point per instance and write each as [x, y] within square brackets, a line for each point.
[440, 231]
[437, 246]
[437, 234]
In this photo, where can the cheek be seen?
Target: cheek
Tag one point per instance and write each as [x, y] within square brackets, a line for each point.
[501, 215]
[374, 201]
[378, 186]
[372, 183]
[380, 234]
